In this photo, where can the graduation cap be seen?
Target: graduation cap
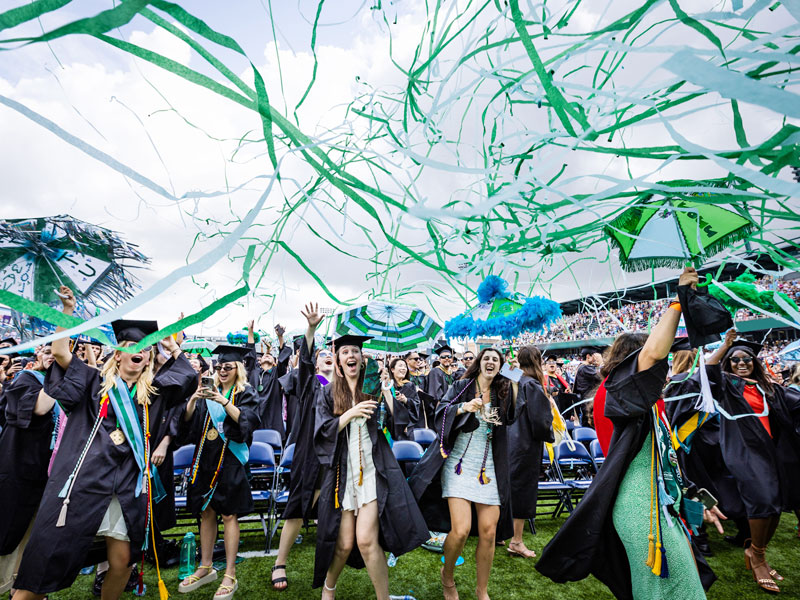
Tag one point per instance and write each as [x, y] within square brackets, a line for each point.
[587, 350]
[9, 340]
[705, 316]
[226, 353]
[351, 340]
[127, 330]
[296, 341]
[681, 343]
[442, 347]
[549, 358]
[750, 347]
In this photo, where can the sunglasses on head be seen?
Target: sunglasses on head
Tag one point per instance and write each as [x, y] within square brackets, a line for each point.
[226, 368]
[745, 359]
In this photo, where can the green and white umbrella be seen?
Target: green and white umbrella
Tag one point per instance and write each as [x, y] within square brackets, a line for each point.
[201, 347]
[674, 232]
[395, 328]
[40, 254]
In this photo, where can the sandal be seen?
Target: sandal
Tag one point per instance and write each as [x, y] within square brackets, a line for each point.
[227, 590]
[279, 579]
[325, 587]
[751, 555]
[192, 582]
[526, 553]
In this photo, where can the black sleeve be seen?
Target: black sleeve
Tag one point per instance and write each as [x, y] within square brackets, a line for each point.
[242, 431]
[176, 381]
[409, 390]
[631, 393]
[326, 428]
[284, 355]
[305, 365]
[72, 386]
[250, 359]
[537, 408]
[20, 398]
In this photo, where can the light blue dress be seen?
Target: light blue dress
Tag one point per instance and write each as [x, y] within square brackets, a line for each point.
[466, 485]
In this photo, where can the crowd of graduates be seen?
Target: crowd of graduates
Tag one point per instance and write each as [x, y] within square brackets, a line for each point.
[87, 439]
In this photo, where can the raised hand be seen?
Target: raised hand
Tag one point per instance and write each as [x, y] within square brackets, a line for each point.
[280, 330]
[312, 315]
[689, 277]
[67, 299]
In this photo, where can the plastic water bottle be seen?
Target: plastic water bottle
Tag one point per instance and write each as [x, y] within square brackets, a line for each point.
[299, 539]
[188, 555]
[392, 560]
[407, 596]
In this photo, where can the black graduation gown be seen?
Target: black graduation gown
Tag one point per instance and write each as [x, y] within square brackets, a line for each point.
[233, 495]
[437, 385]
[765, 468]
[586, 379]
[55, 555]
[420, 386]
[704, 464]
[24, 456]
[304, 385]
[163, 423]
[406, 415]
[533, 427]
[402, 527]
[268, 389]
[587, 542]
[425, 479]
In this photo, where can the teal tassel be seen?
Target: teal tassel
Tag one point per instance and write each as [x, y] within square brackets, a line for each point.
[65, 489]
[664, 499]
[458, 467]
[664, 568]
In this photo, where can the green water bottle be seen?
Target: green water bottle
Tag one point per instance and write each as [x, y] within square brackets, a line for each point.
[188, 554]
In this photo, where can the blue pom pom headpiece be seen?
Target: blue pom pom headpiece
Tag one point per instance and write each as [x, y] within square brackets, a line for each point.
[534, 314]
[239, 338]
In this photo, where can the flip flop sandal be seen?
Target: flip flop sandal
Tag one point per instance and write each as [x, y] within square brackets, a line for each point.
[279, 579]
[228, 590]
[531, 553]
[192, 582]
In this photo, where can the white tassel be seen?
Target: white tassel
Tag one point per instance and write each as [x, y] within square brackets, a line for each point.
[705, 402]
[62, 515]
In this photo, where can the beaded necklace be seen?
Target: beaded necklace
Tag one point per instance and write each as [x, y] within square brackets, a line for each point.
[482, 477]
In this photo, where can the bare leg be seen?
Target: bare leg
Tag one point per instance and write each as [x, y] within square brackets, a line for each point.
[344, 545]
[291, 527]
[208, 535]
[484, 553]
[119, 570]
[26, 595]
[517, 545]
[367, 528]
[231, 536]
[460, 524]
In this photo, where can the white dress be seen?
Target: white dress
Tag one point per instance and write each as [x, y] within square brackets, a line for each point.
[356, 496]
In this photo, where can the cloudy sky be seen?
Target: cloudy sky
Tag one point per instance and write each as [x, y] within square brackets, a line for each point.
[207, 153]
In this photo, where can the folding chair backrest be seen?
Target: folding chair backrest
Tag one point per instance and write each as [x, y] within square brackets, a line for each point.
[424, 437]
[287, 457]
[584, 434]
[596, 450]
[405, 450]
[261, 455]
[268, 436]
[578, 452]
[182, 457]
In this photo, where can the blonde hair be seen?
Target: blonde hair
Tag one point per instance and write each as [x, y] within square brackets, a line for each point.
[241, 377]
[144, 385]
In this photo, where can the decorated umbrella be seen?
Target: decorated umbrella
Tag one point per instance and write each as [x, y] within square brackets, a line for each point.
[395, 328]
[201, 347]
[40, 254]
[502, 312]
[673, 231]
[791, 353]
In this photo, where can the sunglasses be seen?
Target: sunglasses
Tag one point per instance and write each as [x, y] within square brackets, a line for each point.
[468, 358]
[444, 356]
[325, 354]
[413, 358]
[226, 368]
[735, 360]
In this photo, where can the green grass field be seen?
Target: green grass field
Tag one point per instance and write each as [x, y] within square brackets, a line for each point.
[512, 578]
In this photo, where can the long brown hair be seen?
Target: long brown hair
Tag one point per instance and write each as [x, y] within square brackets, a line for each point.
[623, 346]
[342, 398]
[530, 361]
[499, 384]
[682, 361]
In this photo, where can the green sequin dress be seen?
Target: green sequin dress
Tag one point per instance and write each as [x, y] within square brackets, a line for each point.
[632, 521]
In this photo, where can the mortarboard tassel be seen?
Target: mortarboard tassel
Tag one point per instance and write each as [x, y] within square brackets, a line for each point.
[361, 476]
[104, 408]
[458, 467]
[651, 551]
[140, 582]
[336, 490]
[664, 569]
[62, 514]
[65, 490]
[163, 594]
[657, 562]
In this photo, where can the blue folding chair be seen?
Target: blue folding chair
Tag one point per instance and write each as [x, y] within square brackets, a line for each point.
[570, 425]
[578, 465]
[262, 468]
[553, 491]
[584, 435]
[181, 463]
[407, 454]
[597, 452]
[271, 437]
[280, 486]
[424, 437]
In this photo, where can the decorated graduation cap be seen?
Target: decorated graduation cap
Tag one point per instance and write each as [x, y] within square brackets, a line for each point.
[705, 317]
[129, 330]
[681, 343]
[226, 353]
[351, 340]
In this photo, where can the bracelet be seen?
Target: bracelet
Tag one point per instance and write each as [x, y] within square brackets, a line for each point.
[226, 404]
